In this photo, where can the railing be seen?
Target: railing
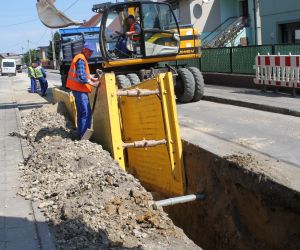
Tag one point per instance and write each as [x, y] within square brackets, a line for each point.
[217, 30]
[225, 32]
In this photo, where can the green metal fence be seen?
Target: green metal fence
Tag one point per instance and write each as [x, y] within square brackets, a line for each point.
[236, 60]
[216, 60]
[285, 49]
[243, 58]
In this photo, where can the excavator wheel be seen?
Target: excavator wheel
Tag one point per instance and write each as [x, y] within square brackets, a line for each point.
[185, 85]
[134, 79]
[199, 83]
[123, 81]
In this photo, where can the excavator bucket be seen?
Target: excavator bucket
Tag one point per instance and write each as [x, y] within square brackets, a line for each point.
[52, 17]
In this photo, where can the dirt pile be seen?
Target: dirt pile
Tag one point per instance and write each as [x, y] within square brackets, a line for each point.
[89, 201]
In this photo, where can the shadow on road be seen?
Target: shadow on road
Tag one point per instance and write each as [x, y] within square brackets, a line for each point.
[21, 233]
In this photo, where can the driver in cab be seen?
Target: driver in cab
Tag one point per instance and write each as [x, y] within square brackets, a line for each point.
[134, 29]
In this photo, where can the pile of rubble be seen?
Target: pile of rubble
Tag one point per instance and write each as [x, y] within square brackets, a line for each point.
[89, 201]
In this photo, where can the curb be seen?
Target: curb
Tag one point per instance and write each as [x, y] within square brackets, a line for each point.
[45, 237]
[251, 105]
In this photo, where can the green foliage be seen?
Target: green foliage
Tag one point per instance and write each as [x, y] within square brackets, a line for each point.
[56, 45]
[34, 56]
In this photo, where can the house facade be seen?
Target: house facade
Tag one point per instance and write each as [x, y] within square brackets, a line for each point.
[242, 22]
[280, 21]
[220, 22]
[43, 52]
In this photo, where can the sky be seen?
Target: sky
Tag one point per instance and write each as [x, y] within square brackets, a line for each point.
[19, 22]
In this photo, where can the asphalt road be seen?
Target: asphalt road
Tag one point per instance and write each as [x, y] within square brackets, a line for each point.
[53, 79]
[274, 135]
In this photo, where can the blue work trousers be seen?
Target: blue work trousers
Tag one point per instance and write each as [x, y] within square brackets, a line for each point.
[84, 112]
[44, 85]
[33, 85]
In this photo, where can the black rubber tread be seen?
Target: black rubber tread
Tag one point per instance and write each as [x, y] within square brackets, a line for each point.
[186, 78]
[199, 83]
[123, 82]
[134, 79]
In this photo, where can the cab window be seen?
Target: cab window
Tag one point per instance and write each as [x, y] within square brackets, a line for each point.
[161, 33]
[118, 43]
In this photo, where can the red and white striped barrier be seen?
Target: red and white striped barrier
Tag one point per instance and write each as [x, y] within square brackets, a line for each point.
[278, 70]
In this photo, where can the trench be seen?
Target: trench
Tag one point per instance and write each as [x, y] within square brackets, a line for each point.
[242, 209]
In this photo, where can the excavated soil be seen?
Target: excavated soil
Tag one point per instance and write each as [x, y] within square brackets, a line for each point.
[89, 201]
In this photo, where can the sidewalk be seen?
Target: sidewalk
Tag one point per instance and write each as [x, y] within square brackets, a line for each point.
[21, 224]
[282, 103]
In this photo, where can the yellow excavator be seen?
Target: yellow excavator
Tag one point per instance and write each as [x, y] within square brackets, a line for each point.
[158, 40]
[137, 122]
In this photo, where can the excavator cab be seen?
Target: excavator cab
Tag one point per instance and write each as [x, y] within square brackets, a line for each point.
[156, 31]
[138, 40]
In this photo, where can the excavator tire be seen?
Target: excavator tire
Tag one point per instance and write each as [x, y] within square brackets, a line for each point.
[123, 81]
[199, 83]
[186, 79]
[134, 79]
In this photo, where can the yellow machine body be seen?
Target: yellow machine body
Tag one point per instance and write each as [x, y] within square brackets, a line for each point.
[121, 120]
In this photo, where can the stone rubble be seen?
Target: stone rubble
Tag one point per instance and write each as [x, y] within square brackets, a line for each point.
[88, 200]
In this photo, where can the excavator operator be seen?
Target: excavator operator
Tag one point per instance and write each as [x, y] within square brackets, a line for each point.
[134, 29]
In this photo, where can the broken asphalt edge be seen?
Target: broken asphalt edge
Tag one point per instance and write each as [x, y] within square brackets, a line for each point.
[45, 237]
[252, 105]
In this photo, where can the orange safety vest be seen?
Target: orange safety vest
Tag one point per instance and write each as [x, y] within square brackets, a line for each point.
[72, 82]
[135, 37]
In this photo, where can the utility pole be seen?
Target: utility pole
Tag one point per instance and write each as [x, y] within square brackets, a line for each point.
[257, 22]
[29, 53]
[53, 51]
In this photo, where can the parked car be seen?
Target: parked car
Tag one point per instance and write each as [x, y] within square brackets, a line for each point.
[8, 67]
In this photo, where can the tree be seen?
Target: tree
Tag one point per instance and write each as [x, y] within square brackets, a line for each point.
[56, 45]
[34, 56]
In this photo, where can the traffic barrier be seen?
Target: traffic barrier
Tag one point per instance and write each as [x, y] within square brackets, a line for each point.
[278, 70]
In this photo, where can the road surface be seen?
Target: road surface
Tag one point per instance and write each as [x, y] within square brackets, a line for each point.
[274, 135]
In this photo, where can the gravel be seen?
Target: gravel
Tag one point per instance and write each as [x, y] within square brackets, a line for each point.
[88, 200]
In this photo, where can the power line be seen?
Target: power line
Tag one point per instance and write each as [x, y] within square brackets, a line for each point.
[12, 46]
[42, 36]
[14, 24]
[70, 6]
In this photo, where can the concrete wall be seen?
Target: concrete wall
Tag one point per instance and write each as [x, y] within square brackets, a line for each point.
[229, 8]
[205, 17]
[272, 15]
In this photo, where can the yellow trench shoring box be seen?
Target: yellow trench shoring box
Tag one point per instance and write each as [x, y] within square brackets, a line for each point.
[69, 101]
[139, 127]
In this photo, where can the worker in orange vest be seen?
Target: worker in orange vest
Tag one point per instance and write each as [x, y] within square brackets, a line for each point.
[80, 82]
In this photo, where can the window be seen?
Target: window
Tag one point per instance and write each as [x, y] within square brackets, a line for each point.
[9, 64]
[161, 34]
[118, 43]
[290, 32]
